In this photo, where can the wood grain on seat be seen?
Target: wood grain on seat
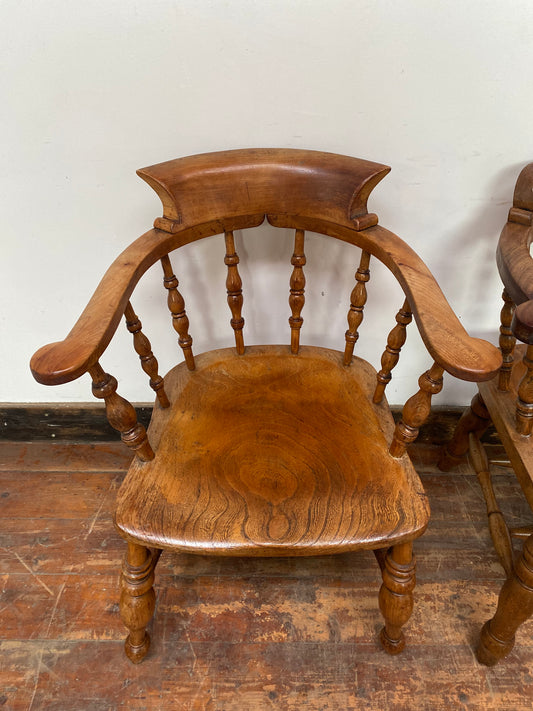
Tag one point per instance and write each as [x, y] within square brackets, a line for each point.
[272, 455]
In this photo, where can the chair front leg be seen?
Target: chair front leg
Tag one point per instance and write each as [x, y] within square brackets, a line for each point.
[396, 595]
[137, 600]
[515, 606]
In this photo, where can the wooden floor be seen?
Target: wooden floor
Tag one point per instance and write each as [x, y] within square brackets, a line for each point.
[238, 634]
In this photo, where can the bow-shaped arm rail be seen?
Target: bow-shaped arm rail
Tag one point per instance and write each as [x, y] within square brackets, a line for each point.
[446, 340]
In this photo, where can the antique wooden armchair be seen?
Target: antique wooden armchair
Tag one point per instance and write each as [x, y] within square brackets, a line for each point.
[268, 450]
[507, 402]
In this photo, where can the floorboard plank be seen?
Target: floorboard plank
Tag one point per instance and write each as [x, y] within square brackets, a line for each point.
[239, 633]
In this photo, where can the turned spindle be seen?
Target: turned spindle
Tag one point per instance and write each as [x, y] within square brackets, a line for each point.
[297, 289]
[357, 304]
[120, 413]
[507, 341]
[416, 410]
[176, 305]
[234, 289]
[143, 349]
[524, 404]
[391, 354]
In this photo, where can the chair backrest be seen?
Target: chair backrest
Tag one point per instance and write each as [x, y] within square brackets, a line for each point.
[230, 184]
[515, 265]
[219, 193]
[237, 189]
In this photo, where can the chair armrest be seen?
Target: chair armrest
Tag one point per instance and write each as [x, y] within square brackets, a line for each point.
[67, 360]
[446, 340]
[464, 357]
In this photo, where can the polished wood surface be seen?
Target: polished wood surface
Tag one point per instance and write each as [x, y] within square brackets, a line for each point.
[515, 606]
[502, 409]
[331, 187]
[513, 257]
[240, 633]
[143, 349]
[507, 402]
[292, 461]
[358, 299]
[444, 336]
[416, 410]
[234, 289]
[120, 413]
[297, 290]
[391, 354]
[507, 341]
[269, 450]
[310, 198]
[176, 306]
[497, 525]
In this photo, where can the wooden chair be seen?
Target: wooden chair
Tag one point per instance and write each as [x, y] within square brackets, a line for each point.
[268, 450]
[507, 402]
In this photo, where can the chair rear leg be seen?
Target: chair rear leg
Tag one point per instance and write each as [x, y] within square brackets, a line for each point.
[396, 595]
[474, 420]
[137, 600]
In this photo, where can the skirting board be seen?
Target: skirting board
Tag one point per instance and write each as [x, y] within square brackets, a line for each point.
[86, 422]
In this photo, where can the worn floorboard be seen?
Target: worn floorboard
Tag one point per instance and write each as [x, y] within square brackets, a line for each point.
[239, 634]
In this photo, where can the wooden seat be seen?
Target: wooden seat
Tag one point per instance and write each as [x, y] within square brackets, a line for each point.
[268, 450]
[507, 401]
[262, 455]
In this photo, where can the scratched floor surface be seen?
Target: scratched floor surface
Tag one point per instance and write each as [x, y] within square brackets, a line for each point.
[238, 634]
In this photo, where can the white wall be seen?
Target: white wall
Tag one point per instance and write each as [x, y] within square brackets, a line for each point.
[90, 91]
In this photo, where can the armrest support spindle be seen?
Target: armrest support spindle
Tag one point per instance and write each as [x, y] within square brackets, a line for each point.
[524, 404]
[416, 410]
[391, 354]
[176, 305]
[120, 413]
[143, 349]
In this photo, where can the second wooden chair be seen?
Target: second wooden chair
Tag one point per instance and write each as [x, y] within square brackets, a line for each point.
[507, 402]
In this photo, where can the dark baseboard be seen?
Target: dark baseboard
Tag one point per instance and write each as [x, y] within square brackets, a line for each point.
[86, 422]
[80, 422]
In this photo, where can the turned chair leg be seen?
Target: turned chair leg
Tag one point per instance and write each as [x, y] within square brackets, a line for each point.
[515, 606]
[396, 595]
[499, 532]
[474, 420]
[137, 600]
